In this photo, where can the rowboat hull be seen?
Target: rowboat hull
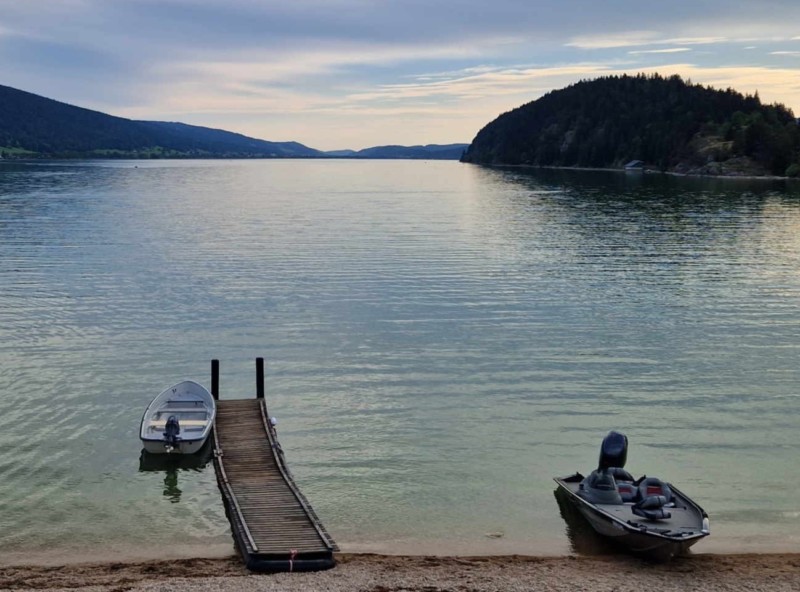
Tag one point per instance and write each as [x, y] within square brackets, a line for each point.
[183, 447]
[190, 408]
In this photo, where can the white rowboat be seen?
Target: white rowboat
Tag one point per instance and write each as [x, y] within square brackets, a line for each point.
[179, 420]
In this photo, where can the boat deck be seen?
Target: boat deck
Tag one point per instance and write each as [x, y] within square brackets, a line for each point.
[274, 526]
[681, 519]
[685, 518]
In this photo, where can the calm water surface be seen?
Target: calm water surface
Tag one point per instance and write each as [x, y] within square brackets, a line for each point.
[441, 340]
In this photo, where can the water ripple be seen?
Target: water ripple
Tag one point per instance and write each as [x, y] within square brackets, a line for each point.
[439, 338]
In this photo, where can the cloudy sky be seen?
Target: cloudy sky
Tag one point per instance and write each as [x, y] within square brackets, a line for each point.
[335, 74]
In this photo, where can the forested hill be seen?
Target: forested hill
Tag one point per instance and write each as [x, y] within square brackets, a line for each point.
[427, 152]
[34, 126]
[670, 124]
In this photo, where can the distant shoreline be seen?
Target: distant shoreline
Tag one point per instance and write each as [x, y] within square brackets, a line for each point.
[642, 172]
[34, 159]
[367, 158]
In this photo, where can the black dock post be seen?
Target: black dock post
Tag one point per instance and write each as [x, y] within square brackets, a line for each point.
[215, 379]
[259, 378]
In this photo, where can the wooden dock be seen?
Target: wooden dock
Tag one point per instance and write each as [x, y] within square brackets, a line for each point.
[274, 526]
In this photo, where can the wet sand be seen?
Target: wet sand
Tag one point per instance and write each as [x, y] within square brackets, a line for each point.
[387, 573]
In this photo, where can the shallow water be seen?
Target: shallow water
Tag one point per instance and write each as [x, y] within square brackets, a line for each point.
[440, 339]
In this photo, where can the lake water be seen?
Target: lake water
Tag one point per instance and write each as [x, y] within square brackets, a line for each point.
[440, 341]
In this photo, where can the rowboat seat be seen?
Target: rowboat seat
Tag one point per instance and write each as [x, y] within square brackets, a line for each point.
[185, 423]
[188, 402]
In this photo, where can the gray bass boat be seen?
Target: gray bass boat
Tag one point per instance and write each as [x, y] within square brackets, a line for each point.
[645, 515]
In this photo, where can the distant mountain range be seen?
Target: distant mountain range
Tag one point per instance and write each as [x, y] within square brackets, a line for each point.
[430, 151]
[32, 126]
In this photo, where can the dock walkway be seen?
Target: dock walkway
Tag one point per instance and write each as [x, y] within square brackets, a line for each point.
[273, 524]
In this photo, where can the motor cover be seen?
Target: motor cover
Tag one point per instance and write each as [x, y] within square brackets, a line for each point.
[172, 429]
[613, 451]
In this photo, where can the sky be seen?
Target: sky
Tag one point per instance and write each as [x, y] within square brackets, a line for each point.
[337, 74]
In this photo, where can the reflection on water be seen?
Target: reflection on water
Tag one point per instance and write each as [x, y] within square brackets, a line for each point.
[171, 490]
[161, 462]
[174, 464]
[583, 539]
[440, 341]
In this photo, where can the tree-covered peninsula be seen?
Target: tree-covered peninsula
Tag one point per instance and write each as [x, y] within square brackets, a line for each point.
[668, 123]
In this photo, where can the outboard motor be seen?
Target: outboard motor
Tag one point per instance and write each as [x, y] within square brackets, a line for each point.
[600, 487]
[613, 451]
[171, 432]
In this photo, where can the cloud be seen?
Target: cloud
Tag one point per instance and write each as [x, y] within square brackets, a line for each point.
[639, 38]
[780, 85]
[322, 70]
[628, 39]
[433, 107]
[669, 50]
[498, 82]
[454, 109]
[695, 40]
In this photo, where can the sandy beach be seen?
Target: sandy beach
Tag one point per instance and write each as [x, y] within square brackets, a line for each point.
[387, 573]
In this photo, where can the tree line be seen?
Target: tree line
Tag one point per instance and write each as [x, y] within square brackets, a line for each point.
[668, 123]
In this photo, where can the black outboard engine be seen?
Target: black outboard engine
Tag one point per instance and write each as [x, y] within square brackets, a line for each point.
[613, 451]
[171, 432]
[600, 486]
